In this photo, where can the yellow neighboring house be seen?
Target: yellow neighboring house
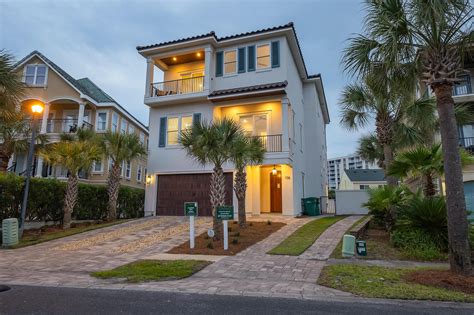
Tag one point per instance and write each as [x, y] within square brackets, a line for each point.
[361, 179]
[70, 104]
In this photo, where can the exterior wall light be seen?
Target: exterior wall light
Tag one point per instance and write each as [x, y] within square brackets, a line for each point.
[148, 180]
[37, 108]
[274, 170]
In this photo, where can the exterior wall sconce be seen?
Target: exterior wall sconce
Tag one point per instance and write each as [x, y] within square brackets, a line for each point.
[274, 170]
[148, 179]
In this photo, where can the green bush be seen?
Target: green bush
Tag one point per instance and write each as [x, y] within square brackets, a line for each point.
[417, 244]
[45, 200]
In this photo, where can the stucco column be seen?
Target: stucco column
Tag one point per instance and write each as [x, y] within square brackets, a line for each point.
[207, 68]
[80, 116]
[149, 76]
[284, 124]
[44, 121]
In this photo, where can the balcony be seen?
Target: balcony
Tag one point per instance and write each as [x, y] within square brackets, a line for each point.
[62, 125]
[176, 87]
[272, 143]
[464, 87]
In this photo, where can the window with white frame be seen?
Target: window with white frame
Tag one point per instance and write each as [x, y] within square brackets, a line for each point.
[115, 119]
[254, 124]
[97, 167]
[230, 61]
[139, 173]
[128, 169]
[123, 126]
[36, 74]
[122, 169]
[177, 125]
[131, 129]
[101, 121]
[142, 138]
[263, 56]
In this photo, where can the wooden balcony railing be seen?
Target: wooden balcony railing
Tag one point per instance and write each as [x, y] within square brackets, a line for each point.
[174, 87]
[272, 143]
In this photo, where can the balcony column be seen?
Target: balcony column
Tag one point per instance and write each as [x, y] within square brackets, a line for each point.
[207, 68]
[80, 116]
[44, 121]
[149, 76]
[285, 103]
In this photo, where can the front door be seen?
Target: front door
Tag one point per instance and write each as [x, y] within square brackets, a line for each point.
[275, 192]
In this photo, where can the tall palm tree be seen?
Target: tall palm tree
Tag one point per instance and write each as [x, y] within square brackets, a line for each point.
[211, 143]
[119, 148]
[245, 151]
[11, 86]
[435, 34]
[370, 150]
[425, 163]
[75, 153]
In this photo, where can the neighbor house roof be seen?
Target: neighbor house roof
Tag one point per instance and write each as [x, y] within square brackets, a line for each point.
[84, 86]
[366, 175]
[246, 89]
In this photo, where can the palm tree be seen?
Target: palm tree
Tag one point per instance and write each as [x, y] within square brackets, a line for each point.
[211, 143]
[75, 153]
[370, 150]
[11, 86]
[435, 34]
[245, 151]
[119, 148]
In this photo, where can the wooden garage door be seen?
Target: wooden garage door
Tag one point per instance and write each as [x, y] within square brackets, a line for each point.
[175, 190]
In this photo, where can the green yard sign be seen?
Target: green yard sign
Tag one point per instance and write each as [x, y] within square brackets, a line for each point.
[225, 213]
[191, 209]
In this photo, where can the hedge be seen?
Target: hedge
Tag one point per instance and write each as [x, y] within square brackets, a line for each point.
[45, 200]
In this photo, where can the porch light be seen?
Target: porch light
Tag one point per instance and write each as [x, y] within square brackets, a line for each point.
[198, 54]
[148, 180]
[274, 170]
[174, 58]
[37, 108]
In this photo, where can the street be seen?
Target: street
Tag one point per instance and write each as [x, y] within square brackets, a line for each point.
[53, 300]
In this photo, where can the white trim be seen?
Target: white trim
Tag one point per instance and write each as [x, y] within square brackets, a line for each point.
[245, 94]
[128, 167]
[114, 114]
[139, 172]
[35, 75]
[101, 171]
[97, 120]
[124, 113]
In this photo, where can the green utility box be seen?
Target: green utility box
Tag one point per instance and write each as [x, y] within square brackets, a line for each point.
[310, 206]
[9, 232]
[361, 247]
[348, 244]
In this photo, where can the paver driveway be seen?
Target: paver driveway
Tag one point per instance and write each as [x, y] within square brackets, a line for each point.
[68, 262]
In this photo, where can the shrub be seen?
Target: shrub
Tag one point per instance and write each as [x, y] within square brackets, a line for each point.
[417, 244]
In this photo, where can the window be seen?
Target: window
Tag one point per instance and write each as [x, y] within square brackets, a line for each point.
[230, 61]
[128, 169]
[101, 121]
[131, 129]
[263, 56]
[115, 122]
[139, 173]
[177, 125]
[123, 126]
[142, 138]
[364, 187]
[97, 167]
[36, 74]
[254, 125]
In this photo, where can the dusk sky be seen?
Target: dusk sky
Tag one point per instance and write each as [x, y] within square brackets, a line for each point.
[97, 39]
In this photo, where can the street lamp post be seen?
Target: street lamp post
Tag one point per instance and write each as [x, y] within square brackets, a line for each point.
[36, 109]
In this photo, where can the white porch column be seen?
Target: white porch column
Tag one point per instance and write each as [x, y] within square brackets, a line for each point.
[207, 68]
[39, 167]
[44, 121]
[149, 76]
[284, 124]
[80, 116]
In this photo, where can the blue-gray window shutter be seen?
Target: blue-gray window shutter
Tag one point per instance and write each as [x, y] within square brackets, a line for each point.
[251, 58]
[219, 63]
[162, 137]
[196, 118]
[275, 54]
[241, 60]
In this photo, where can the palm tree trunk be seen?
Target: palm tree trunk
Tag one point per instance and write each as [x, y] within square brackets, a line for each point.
[429, 188]
[383, 130]
[240, 187]
[217, 198]
[458, 233]
[113, 186]
[70, 199]
[388, 159]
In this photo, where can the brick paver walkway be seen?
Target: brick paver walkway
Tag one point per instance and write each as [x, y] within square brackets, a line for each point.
[68, 262]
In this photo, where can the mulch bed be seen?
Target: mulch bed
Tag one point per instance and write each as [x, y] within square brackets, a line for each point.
[239, 239]
[442, 279]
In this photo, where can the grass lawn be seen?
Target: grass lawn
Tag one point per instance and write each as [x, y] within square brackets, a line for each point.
[153, 270]
[304, 237]
[49, 233]
[239, 239]
[380, 282]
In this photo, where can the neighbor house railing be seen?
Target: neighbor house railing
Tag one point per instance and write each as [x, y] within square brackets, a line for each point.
[65, 125]
[464, 87]
[174, 87]
[467, 143]
[272, 143]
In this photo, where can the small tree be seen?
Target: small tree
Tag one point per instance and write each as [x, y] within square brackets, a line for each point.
[245, 151]
[211, 143]
[75, 153]
[120, 148]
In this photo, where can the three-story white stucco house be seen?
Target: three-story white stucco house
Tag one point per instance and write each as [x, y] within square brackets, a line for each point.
[260, 80]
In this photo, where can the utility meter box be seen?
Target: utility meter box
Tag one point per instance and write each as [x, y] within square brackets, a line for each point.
[348, 246]
[361, 247]
[9, 232]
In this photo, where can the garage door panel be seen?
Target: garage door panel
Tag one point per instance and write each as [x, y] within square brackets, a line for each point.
[175, 190]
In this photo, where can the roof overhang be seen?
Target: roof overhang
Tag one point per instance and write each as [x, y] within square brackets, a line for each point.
[318, 81]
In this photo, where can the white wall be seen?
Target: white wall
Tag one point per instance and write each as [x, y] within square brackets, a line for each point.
[350, 202]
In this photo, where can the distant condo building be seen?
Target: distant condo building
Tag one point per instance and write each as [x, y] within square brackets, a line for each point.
[336, 167]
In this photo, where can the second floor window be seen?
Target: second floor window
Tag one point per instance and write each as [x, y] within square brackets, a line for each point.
[123, 126]
[97, 167]
[35, 75]
[139, 173]
[230, 62]
[128, 169]
[115, 122]
[131, 129]
[263, 56]
[177, 125]
[142, 138]
[254, 125]
[102, 121]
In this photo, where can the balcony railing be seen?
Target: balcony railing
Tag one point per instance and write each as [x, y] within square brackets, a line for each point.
[467, 143]
[464, 87]
[174, 87]
[272, 143]
[65, 125]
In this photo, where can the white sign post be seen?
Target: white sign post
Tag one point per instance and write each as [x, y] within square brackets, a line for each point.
[225, 213]
[191, 210]
[191, 231]
[226, 235]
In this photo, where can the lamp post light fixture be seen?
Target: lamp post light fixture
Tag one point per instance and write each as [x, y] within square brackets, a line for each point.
[36, 110]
